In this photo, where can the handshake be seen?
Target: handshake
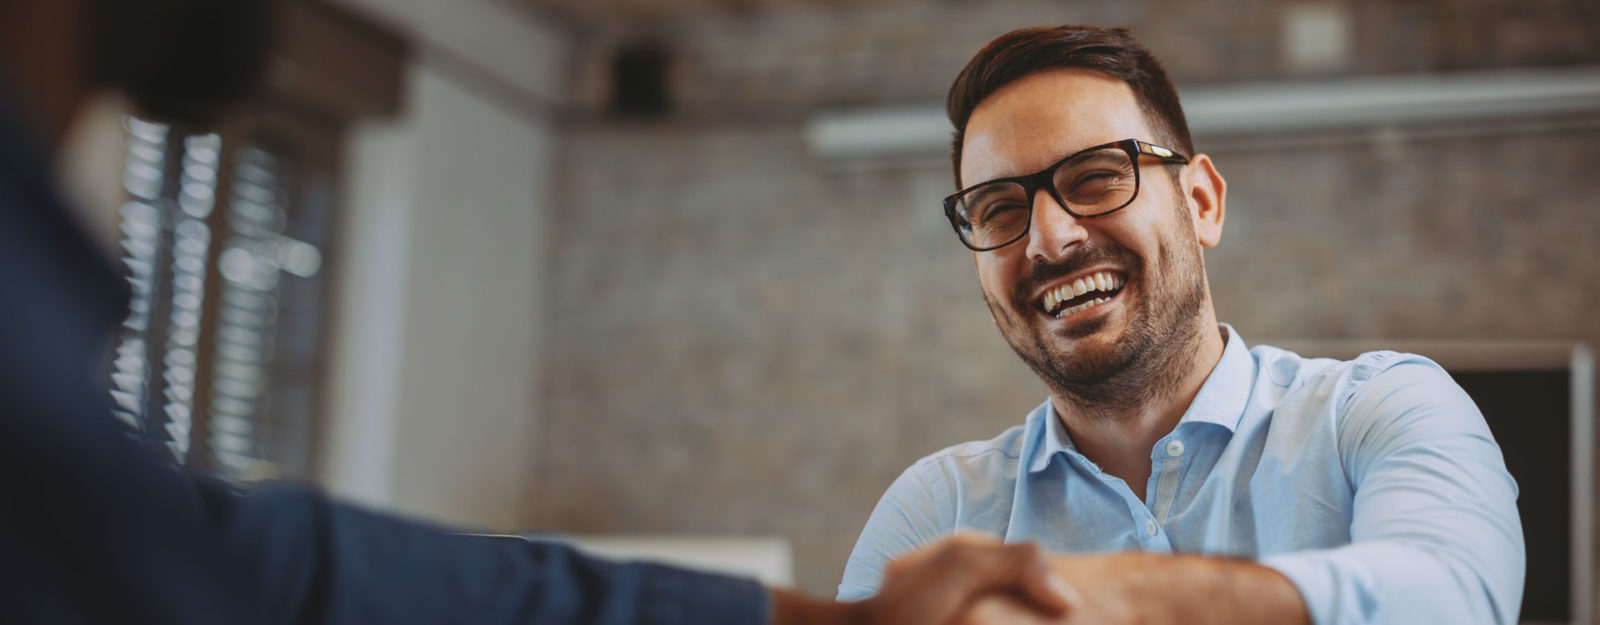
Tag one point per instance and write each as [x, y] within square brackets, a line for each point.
[971, 579]
[967, 579]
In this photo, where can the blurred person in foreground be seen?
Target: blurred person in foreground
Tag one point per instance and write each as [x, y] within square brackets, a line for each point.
[1202, 480]
[93, 529]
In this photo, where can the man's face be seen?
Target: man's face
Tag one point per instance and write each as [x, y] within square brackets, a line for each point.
[1147, 253]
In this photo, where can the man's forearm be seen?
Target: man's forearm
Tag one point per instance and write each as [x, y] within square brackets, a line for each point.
[1155, 588]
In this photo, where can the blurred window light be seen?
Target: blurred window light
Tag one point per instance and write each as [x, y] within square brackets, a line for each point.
[224, 265]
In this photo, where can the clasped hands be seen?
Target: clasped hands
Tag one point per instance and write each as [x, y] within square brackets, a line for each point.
[971, 579]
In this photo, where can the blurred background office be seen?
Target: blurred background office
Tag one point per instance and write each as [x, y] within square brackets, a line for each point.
[680, 267]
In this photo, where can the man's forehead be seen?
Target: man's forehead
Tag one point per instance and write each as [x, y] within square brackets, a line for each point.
[1039, 118]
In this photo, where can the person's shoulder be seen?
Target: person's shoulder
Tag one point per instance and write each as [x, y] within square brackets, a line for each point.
[1006, 445]
[1341, 378]
[987, 458]
[1373, 386]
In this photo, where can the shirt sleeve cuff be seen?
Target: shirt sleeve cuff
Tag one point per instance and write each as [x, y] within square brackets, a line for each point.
[1331, 586]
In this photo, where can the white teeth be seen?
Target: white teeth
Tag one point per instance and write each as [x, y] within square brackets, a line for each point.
[1089, 304]
[1103, 281]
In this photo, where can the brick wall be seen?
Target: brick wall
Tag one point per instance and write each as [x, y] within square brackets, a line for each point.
[745, 338]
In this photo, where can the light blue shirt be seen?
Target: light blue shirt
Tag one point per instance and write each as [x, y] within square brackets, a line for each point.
[1372, 484]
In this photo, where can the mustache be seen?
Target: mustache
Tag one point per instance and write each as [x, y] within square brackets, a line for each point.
[1078, 259]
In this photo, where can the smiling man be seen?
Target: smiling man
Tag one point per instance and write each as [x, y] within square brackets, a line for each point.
[1195, 478]
[96, 529]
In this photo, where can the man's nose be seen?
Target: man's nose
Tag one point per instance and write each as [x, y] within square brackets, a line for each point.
[1052, 230]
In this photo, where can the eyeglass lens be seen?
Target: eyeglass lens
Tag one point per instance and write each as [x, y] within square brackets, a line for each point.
[1091, 183]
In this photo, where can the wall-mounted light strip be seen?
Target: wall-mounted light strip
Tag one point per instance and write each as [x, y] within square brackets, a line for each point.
[1263, 108]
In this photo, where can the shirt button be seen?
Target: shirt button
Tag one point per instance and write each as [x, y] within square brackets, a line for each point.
[1151, 528]
[1175, 448]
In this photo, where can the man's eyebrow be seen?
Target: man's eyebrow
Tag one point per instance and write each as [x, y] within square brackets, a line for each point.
[984, 189]
[1102, 153]
[1082, 152]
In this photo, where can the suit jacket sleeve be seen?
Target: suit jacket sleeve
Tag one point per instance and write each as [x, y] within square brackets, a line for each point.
[318, 561]
[95, 528]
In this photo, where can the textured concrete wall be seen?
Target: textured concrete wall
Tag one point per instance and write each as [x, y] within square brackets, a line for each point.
[1483, 237]
[744, 338]
[759, 64]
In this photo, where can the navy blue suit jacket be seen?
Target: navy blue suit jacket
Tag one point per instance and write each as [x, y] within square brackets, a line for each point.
[94, 528]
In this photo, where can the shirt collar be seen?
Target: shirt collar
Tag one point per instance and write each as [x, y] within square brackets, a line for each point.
[1226, 392]
[1221, 401]
[1049, 435]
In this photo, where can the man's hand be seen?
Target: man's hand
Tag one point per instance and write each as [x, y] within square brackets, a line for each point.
[941, 584]
[1138, 587]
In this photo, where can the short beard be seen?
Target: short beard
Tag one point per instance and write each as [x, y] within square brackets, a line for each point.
[1147, 365]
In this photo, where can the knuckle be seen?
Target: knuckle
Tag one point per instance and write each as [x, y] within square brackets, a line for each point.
[1028, 552]
[965, 558]
[948, 549]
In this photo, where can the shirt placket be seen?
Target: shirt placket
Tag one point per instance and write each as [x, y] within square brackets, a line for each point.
[1151, 516]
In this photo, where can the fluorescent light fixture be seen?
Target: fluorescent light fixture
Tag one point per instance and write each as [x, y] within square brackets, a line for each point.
[1263, 108]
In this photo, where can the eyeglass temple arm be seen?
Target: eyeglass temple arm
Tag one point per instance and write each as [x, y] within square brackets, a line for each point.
[1162, 153]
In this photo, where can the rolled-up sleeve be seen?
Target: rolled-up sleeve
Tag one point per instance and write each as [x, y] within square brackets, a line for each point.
[1435, 536]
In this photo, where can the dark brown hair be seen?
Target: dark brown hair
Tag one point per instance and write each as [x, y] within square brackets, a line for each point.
[180, 61]
[1110, 51]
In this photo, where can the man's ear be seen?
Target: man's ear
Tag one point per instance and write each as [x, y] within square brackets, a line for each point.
[1208, 199]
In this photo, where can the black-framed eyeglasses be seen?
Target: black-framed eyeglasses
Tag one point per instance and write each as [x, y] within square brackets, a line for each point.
[1092, 182]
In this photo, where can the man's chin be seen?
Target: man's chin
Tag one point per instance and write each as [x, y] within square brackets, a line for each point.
[1086, 329]
[1087, 351]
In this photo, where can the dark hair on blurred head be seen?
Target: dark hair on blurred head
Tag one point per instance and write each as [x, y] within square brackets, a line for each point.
[180, 61]
[1110, 51]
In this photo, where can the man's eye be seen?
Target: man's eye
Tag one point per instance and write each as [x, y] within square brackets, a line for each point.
[1092, 187]
[1093, 178]
[997, 211]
